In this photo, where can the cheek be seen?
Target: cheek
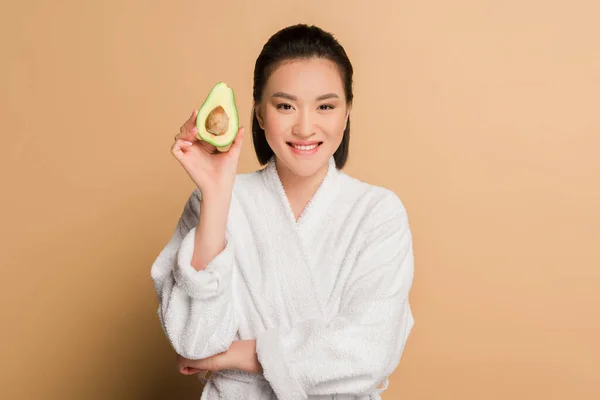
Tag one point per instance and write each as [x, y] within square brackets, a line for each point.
[276, 123]
[335, 124]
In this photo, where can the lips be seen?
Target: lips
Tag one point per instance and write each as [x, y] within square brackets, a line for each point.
[304, 148]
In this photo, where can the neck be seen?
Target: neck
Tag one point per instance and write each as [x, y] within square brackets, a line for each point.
[299, 189]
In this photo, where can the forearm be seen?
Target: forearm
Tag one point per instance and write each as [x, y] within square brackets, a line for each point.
[195, 307]
[209, 239]
[241, 356]
[350, 354]
[244, 357]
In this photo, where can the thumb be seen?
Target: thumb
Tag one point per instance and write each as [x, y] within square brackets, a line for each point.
[236, 147]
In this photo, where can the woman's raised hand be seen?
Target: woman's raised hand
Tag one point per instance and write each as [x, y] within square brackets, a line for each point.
[213, 172]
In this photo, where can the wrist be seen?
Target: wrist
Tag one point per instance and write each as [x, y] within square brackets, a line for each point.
[216, 197]
[212, 221]
[217, 202]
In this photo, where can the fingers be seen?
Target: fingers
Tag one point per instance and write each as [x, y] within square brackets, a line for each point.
[191, 122]
[209, 148]
[178, 146]
[188, 135]
[188, 130]
[187, 367]
[192, 119]
[192, 371]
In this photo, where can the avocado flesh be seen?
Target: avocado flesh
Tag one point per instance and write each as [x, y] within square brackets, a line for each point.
[217, 120]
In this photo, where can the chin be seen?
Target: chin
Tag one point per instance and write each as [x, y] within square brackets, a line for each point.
[305, 169]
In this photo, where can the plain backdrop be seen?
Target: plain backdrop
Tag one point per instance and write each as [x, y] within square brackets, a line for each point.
[483, 116]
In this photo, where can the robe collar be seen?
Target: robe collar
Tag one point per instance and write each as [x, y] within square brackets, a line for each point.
[296, 265]
[324, 196]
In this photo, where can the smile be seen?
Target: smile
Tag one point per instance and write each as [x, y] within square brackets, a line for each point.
[304, 148]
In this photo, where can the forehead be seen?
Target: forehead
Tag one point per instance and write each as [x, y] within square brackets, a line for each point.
[306, 77]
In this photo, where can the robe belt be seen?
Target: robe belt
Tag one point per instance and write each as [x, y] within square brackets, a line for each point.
[240, 376]
[247, 377]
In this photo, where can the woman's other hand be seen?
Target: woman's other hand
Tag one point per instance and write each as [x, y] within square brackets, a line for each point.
[241, 355]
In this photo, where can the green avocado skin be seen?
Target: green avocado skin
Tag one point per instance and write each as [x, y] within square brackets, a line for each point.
[219, 95]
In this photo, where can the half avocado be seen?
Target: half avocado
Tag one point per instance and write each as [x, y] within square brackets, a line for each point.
[217, 120]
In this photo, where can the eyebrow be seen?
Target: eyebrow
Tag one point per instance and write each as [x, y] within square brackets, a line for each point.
[328, 96]
[294, 98]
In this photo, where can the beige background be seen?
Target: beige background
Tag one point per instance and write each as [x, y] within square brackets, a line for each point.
[481, 115]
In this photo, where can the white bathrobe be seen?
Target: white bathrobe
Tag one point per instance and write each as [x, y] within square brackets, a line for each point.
[326, 297]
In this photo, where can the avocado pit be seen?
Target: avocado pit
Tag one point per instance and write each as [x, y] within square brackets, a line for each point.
[217, 121]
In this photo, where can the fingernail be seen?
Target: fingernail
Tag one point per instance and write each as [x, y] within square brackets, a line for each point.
[188, 143]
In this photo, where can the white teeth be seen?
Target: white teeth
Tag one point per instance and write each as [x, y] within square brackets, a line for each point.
[305, 148]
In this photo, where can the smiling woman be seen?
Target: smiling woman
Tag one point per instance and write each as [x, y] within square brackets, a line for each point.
[304, 107]
[290, 282]
[299, 146]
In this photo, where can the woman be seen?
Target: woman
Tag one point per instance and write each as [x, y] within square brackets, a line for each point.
[290, 282]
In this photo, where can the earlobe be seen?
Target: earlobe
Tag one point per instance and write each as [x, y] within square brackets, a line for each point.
[258, 116]
[347, 116]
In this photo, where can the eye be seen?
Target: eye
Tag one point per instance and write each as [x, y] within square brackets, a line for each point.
[284, 106]
[326, 107]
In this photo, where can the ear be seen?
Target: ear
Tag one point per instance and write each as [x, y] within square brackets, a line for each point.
[347, 116]
[259, 117]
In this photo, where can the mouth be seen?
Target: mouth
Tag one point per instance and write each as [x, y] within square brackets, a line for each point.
[304, 148]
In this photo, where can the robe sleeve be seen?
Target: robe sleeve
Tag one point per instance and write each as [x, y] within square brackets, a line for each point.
[195, 308]
[359, 348]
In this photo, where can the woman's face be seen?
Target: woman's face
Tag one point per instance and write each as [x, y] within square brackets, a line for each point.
[304, 113]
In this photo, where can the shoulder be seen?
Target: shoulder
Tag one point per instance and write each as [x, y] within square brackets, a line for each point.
[379, 205]
[378, 200]
[248, 179]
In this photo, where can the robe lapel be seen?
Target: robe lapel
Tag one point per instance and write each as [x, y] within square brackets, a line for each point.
[295, 264]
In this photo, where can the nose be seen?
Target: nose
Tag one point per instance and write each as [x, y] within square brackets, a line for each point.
[304, 126]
